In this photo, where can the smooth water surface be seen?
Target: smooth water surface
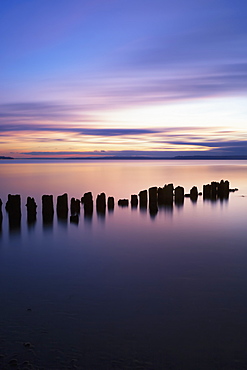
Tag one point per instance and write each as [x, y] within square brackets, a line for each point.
[125, 290]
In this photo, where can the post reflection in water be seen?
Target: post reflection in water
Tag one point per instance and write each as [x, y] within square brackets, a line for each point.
[62, 221]
[1, 216]
[166, 208]
[74, 219]
[31, 224]
[88, 217]
[48, 224]
[14, 224]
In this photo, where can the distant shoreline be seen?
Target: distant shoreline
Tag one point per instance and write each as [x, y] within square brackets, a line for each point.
[196, 157]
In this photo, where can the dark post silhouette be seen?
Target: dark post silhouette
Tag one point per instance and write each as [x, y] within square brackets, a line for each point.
[74, 206]
[207, 191]
[13, 207]
[223, 191]
[194, 193]
[110, 203]
[123, 202]
[153, 193]
[101, 203]
[31, 210]
[62, 206]
[88, 203]
[214, 190]
[143, 198]
[153, 198]
[179, 195]
[47, 208]
[168, 194]
[134, 200]
[161, 196]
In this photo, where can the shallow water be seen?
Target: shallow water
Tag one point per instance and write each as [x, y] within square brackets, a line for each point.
[127, 290]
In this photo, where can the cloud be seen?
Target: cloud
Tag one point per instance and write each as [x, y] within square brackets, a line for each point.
[103, 153]
[215, 148]
[213, 144]
[80, 130]
[40, 111]
[137, 89]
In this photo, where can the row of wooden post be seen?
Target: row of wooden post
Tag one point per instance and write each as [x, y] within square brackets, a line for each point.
[154, 196]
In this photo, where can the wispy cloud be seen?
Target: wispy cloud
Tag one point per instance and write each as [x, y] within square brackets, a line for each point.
[220, 149]
[85, 131]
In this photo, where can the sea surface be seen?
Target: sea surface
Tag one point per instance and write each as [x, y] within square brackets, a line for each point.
[126, 289]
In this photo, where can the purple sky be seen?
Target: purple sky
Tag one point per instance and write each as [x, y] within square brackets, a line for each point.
[119, 77]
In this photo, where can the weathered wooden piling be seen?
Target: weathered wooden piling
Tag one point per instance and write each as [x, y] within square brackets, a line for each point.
[134, 200]
[110, 203]
[75, 206]
[194, 193]
[47, 208]
[161, 196]
[101, 203]
[179, 195]
[13, 204]
[13, 207]
[168, 194]
[123, 202]
[216, 190]
[143, 198]
[88, 203]
[62, 206]
[223, 190]
[31, 210]
[207, 191]
[153, 194]
[153, 199]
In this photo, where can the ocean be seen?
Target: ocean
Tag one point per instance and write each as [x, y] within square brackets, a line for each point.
[125, 288]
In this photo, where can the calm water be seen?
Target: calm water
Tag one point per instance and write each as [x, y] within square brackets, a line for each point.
[125, 290]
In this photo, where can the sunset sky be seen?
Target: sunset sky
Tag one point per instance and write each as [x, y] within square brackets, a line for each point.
[120, 77]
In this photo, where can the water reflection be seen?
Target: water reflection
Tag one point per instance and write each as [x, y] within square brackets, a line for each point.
[47, 224]
[101, 211]
[179, 203]
[166, 208]
[74, 219]
[152, 207]
[14, 225]
[88, 218]
[31, 220]
[143, 208]
[62, 221]
[1, 220]
[31, 224]
[213, 198]
[1, 215]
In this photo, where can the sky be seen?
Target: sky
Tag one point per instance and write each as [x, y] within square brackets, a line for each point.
[134, 78]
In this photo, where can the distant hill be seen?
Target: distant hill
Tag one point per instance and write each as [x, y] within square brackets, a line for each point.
[181, 157]
[136, 157]
[214, 157]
